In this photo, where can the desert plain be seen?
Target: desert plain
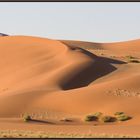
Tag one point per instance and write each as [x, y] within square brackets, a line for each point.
[58, 83]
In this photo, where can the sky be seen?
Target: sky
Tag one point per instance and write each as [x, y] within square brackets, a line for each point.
[86, 21]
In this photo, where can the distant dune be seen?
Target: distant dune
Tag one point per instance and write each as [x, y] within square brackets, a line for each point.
[132, 45]
[67, 78]
[1, 34]
[83, 44]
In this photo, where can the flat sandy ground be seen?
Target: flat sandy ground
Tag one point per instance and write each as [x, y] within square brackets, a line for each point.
[59, 83]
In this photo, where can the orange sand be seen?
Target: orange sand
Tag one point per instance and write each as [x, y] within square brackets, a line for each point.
[56, 79]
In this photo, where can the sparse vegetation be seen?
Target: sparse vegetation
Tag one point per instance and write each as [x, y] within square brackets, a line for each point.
[112, 56]
[118, 113]
[98, 114]
[26, 118]
[107, 119]
[123, 117]
[101, 54]
[91, 118]
[132, 59]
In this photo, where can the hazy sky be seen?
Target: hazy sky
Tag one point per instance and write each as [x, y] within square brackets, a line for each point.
[87, 21]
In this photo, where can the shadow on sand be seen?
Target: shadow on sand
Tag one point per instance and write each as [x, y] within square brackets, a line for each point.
[41, 121]
[100, 67]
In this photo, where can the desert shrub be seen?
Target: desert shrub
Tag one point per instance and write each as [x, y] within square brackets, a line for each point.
[91, 118]
[98, 114]
[133, 61]
[130, 57]
[27, 118]
[108, 119]
[123, 117]
[118, 113]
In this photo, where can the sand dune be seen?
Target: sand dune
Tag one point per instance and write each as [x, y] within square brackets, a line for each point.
[1, 34]
[36, 64]
[42, 62]
[63, 78]
[128, 45]
[119, 48]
